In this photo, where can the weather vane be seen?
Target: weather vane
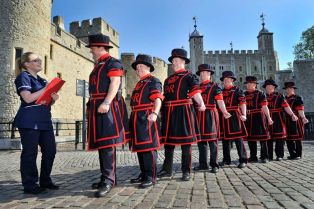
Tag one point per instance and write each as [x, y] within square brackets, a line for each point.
[262, 16]
[194, 18]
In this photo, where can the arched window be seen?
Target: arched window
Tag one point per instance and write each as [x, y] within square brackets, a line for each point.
[240, 68]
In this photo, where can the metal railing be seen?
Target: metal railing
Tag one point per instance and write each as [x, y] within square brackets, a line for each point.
[309, 127]
[7, 130]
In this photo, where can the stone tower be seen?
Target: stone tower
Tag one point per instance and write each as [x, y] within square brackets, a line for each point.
[25, 26]
[196, 49]
[265, 39]
[266, 49]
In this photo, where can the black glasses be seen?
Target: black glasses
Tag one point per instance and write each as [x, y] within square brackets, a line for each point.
[36, 60]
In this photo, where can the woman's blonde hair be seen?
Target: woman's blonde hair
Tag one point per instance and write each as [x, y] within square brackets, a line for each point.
[20, 62]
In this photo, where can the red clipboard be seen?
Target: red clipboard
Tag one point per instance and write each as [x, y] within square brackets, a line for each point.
[53, 87]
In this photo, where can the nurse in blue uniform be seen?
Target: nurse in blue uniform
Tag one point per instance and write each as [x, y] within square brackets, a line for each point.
[35, 126]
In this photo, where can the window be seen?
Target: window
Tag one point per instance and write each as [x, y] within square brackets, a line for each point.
[255, 68]
[46, 65]
[270, 68]
[240, 79]
[17, 55]
[59, 75]
[51, 51]
[240, 68]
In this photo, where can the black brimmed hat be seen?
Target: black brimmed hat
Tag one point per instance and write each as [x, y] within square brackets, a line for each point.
[204, 67]
[250, 79]
[228, 74]
[270, 82]
[181, 53]
[99, 40]
[143, 59]
[289, 84]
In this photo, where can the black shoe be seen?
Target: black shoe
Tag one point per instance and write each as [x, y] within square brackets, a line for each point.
[199, 168]
[50, 186]
[291, 158]
[265, 161]
[214, 170]
[103, 190]
[253, 160]
[163, 173]
[146, 184]
[224, 163]
[35, 190]
[139, 179]
[185, 177]
[242, 165]
[279, 158]
[97, 185]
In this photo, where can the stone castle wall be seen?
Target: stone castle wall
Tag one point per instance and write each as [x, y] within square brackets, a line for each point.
[25, 26]
[304, 79]
[72, 60]
[242, 64]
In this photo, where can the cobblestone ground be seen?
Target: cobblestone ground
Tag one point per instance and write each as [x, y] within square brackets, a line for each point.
[284, 184]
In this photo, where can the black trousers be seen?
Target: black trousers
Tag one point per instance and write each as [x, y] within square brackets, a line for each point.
[253, 150]
[203, 153]
[279, 148]
[30, 139]
[226, 145]
[148, 164]
[107, 162]
[294, 148]
[186, 158]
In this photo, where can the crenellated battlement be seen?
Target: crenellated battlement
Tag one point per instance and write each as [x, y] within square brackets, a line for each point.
[97, 25]
[231, 52]
[69, 41]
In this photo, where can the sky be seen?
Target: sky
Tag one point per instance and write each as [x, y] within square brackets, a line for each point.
[155, 27]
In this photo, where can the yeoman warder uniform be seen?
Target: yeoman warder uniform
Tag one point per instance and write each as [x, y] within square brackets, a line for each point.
[209, 122]
[256, 124]
[295, 129]
[145, 135]
[179, 124]
[233, 128]
[108, 130]
[278, 131]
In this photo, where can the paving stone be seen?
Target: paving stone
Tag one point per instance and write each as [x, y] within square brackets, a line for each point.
[285, 184]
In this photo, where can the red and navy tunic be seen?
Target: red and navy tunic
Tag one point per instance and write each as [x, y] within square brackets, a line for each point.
[179, 123]
[276, 105]
[256, 123]
[233, 127]
[145, 135]
[295, 129]
[209, 119]
[109, 129]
